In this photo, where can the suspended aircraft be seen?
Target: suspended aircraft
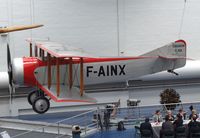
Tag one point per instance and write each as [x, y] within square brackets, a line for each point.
[60, 72]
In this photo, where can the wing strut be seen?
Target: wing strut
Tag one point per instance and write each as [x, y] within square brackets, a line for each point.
[81, 77]
[49, 70]
[58, 77]
[70, 73]
[42, 54]
[36, 51]
[31, 53]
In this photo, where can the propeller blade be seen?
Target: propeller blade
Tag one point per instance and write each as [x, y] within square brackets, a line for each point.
[8, 57]
[10, 75]
[19, 28]
[9, 65]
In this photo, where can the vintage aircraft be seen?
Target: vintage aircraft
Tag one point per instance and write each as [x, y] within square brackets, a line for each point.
[60, 72]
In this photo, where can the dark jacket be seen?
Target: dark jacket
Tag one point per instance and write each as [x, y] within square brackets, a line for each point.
[167, 125]
[193, 127]
[146, 126]
[177, 123]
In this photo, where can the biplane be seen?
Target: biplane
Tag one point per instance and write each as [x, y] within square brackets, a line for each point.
[60, 72]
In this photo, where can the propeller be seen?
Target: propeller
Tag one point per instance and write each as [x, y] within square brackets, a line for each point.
[19, 28]
[10, 74]
[9, 63]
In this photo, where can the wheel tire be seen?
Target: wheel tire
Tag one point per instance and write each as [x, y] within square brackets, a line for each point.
[41, 105]
[32, 97]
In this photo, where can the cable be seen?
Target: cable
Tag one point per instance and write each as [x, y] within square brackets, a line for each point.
[183, 14]
[31, 15]
[118, 35]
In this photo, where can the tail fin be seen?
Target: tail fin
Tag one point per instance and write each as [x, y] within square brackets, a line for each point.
[171, 56]
[172, 50]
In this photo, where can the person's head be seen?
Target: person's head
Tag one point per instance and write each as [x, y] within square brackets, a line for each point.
[157, 112]
[194, 117]
[146, 119]
[167, 118]
[169, 112]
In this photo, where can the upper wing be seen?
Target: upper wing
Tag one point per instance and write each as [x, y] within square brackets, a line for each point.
[59, 50]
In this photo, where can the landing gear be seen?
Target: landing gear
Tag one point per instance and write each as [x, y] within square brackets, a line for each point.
[38, 101]
[32, 96]
[41, 105]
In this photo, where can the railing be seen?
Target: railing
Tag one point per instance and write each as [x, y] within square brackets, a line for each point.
[63, 127]
[94, 120]
[133, 115]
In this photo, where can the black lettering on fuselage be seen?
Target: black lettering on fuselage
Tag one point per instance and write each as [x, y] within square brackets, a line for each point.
[89, 69]
[106, 70]
[122, 70]
[101, 71]
[113, 70]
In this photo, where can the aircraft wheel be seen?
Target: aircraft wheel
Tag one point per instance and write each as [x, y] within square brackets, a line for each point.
[32, 96]
[41, 105]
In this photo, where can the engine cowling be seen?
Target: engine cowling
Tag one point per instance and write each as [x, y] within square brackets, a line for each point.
[23, 70]
[4, 80]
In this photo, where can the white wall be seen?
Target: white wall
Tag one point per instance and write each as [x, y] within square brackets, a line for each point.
[92, 24]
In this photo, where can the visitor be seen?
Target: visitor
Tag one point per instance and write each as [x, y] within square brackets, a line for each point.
[171, 117]
[167, 127]
[157, 117]
[194, 112]
[193, 126]
[146, 128]
[178, 122]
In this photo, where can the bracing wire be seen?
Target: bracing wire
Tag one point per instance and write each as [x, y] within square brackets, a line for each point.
[182, 18]
[118, 35]
[31, 15]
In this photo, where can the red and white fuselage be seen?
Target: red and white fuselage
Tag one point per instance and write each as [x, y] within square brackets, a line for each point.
[30, 71]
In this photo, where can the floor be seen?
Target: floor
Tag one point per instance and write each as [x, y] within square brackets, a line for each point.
[84, 118]
[113, 133]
